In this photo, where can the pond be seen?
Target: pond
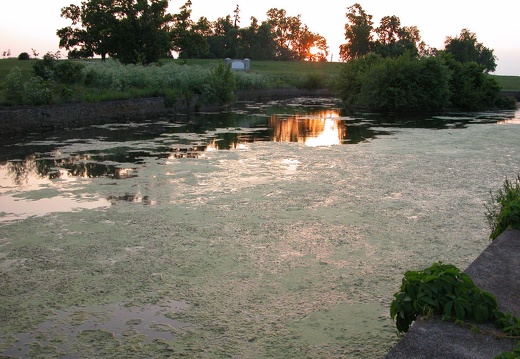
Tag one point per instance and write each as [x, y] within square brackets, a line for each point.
[272, 230]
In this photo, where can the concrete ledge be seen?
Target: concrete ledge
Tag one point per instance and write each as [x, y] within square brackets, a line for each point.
[496, 270]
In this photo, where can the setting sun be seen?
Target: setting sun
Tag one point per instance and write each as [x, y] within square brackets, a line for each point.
[314, 50]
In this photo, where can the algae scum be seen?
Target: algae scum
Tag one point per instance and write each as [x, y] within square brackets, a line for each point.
[276, 230]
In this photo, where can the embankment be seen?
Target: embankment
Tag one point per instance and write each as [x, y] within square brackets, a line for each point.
[19, 120]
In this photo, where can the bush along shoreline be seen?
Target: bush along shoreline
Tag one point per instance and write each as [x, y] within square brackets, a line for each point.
[408, 84]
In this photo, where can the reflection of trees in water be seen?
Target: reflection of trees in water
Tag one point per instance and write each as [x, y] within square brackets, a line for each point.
[128, 197]
[19, 170]
[73, 166]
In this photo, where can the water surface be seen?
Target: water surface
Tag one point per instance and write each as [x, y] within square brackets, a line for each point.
[285, 228]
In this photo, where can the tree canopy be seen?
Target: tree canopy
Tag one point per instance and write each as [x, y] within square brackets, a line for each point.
[389, 39]
[358, 33]
[141, 31]
[389, 68]
[279, 37]
[133, 31]
[466, 48]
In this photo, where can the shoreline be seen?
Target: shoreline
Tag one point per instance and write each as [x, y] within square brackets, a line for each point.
[20, 120]
[26, 119]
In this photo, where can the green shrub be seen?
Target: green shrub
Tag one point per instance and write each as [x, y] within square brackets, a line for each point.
[444, 290]
[312, 82]
[14, 88]
[471, 88]
[68, 72]
[65, 93]
[223, 84]
[503, 209]
[171, 97]
[37, 91]
[405, 83]
[250, 80]
[24, 56]
[45, 68]
[408, 83]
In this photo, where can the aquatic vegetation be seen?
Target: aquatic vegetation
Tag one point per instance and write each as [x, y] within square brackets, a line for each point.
[278, 249]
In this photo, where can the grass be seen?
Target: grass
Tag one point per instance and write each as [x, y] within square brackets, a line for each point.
[7, 64]
[292, 71]
[510, 83]
[284, 73]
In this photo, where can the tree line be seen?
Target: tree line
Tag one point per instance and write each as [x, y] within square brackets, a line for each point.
[142, 31]
[390, 39]
[389, 68]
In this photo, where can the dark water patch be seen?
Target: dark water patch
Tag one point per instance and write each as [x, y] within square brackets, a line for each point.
[68, 330]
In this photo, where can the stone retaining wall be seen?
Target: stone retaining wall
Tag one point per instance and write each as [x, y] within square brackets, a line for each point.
[55, 117]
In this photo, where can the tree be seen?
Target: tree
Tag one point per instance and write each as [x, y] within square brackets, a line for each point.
[256, 41]
[92, 30]
[310, 46]
[24, 56]
[465, 48]
[358, 33]
[285, 29]
[236, 17]
[133, 31]
[224, 41]
[389, 30]
[188, 39]
[294, 39]
[394, 40]
[143, 35]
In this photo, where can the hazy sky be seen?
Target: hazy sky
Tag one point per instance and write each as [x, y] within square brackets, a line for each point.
[32, 24]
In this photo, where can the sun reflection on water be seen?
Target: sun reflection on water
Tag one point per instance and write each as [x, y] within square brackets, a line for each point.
[321, 128]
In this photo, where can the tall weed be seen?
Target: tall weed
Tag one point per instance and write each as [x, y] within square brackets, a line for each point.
[38, 91]
[14, 86]
[503, 209]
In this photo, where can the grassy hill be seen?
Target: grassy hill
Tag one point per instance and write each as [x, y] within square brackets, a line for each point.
[291, 70]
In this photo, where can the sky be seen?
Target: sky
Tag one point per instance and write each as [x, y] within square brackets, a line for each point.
[32, 24]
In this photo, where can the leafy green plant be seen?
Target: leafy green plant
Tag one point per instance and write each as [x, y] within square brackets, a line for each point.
[223, 83]
[68, 72]
[515, 354]
[312, 82]
[44, 68]
[37, 91]
[444, 290]
[14, 85]
[503, 210]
